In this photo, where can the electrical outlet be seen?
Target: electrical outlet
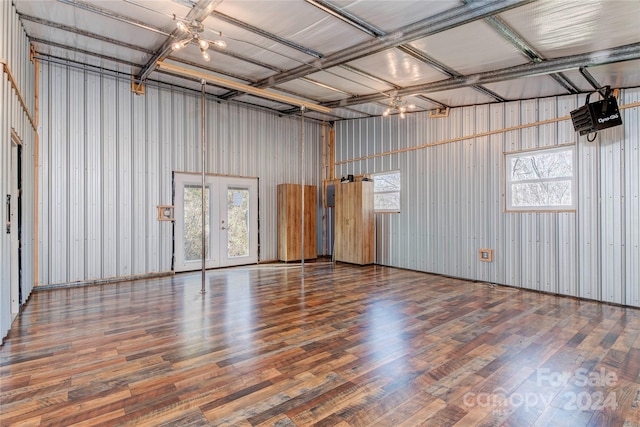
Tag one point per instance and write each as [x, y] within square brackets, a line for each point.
[486, 255]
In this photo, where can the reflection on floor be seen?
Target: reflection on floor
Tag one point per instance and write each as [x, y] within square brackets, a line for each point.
[346, 346]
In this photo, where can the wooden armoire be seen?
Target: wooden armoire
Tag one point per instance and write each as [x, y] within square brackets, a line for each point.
[290, 222]
[354, 223]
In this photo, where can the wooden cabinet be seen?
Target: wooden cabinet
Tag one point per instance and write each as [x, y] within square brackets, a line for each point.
[290, 222]
[354, 227]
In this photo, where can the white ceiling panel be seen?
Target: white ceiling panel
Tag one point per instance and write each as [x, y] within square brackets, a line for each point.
[349, 81]
[349, 113]
[254, 46]
[82, 43]
[155, 12]
[578, 80]
[396, 66]
[321, 55]
[526, 88]
[91, 22]
[617, 75]
[312, 91]
[297, 21]
[229, 65]
[471, 48]
[389, 15]
[460, 97]
[560, 28]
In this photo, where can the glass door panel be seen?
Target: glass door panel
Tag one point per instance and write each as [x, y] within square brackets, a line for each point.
[231, 221]
[192, 206]
[238, 226]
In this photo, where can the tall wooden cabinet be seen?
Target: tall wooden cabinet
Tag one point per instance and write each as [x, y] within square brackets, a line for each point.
[290, 222]
[354, 227]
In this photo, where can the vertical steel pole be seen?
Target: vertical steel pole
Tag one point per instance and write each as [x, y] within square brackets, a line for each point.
[204, 152]
[303, 172]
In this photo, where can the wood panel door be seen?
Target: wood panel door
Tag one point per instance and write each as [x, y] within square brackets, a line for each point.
[354, 223]
[290, 224]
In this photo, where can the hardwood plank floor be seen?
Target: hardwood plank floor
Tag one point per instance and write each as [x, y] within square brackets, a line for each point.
[348, 346]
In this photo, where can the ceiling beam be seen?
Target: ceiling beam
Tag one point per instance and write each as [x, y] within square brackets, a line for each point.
[241, 87]
[265, 34]
[435, 24]
[84, 33]
[432, 25]
[516, 40]
[113, 15]
[602, 57]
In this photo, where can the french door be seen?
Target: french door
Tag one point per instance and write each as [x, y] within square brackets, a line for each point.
[231, 221]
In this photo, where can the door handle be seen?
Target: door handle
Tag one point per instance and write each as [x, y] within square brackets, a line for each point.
[8, 213]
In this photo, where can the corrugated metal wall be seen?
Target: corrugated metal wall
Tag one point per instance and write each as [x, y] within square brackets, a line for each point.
[452, 198]
[107, 160]
[14, 52]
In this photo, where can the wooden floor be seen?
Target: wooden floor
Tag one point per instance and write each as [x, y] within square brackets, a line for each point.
[350, 346]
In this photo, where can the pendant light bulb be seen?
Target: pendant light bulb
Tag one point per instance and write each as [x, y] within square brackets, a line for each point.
[206, 55]
[181, 26]
[220, 43]
[204, 45]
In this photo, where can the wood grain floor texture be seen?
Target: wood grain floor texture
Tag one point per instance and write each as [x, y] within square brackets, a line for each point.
[348, 346]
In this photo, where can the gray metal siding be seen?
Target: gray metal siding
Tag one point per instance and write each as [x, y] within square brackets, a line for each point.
[14, 51]
[108, 159]
[452, 198]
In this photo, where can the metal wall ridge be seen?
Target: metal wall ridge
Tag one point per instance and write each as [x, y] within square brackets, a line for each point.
[452, 197]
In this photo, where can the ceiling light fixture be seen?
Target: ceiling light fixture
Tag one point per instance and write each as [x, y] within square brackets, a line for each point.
[193, 30]
[397, 105]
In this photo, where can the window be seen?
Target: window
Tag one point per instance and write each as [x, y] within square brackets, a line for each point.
[386, 191]
[541, 180]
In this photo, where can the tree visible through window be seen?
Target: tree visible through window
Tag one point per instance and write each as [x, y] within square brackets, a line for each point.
[386, 191]
[541, 179]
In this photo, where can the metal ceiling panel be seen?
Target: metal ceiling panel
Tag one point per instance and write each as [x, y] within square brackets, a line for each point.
[370, 109]
[348, 113]
[471, 48]
[312, 91]
[81, 43]
[578, 80]
[323, 50]
[155, 12]
[388, 15]
[350, 81]
[526, 88]
[297, 21]
[398, 67]
[460, 97]
[84, 20]
[617, 75]
[225, 63]
[253, 45]
[561, 28]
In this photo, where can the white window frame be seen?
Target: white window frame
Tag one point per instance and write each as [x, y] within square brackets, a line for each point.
[509, 182]
[398, 191]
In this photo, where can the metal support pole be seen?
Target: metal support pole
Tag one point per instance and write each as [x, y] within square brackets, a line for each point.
[204, 234]
[303, 172]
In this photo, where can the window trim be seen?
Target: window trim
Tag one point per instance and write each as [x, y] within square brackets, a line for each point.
[507, 182]
[399, 191]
